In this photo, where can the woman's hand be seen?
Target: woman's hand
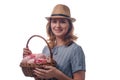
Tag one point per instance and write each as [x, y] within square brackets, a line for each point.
[26, 52]
[46, 73]
[52, 72]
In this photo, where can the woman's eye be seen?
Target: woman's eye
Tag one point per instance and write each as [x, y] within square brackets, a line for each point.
[63, 21]
[53, 21]
[60, 21]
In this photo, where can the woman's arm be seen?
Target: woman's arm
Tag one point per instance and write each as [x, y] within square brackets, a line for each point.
[79, 75]
[52, 72]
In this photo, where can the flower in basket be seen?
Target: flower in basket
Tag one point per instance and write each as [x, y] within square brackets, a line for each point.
[35, 58]
[40, 61]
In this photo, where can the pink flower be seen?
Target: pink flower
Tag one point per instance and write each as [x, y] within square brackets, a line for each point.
[35, 58]
[41, 56]
[31, 61]
[40, 61]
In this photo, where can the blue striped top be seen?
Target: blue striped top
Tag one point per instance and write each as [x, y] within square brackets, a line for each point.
[69, 58]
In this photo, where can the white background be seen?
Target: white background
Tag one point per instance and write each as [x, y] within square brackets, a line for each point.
[97, 27]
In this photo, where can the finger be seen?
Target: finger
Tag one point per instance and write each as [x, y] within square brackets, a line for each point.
[26, 51]
[39, 74]
[41, 70]
[48, 67]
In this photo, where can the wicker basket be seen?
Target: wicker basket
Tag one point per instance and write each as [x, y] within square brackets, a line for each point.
[28, 68]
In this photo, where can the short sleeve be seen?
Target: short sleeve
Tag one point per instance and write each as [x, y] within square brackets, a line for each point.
[45, 50]
[78, 60]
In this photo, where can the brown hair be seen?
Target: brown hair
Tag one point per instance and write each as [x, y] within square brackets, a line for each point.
[68, 39]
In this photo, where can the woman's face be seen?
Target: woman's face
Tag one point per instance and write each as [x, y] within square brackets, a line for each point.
[59, 26]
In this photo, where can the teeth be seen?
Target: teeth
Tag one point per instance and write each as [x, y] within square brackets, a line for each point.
[58, 29]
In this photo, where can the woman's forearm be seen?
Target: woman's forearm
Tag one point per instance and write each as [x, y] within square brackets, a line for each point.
[80, 75]
[62, 76]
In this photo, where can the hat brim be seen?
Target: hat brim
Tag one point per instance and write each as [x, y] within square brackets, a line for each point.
[72, 19]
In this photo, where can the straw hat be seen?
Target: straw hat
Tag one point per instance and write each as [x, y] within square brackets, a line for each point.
[61, 11]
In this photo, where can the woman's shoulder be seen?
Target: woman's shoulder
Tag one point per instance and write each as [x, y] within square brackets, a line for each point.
[75, 45]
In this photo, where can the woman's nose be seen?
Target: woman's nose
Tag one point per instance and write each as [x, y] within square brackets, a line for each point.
[58, 24]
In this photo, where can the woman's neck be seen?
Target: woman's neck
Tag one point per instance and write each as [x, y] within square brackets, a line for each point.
[59, 42]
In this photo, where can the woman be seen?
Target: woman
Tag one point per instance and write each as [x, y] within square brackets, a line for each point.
[68, 55]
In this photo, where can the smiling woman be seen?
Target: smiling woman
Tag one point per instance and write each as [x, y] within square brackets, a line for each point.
[97, 27]
[68, 55]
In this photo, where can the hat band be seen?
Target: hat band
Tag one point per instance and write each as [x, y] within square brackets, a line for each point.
[60, 15]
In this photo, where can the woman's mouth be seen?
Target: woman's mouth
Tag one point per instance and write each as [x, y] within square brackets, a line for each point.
[57, 30]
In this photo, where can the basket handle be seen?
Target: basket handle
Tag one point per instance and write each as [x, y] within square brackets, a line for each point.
[51, 55]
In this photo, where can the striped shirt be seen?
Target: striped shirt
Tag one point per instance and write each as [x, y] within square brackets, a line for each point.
[69, 58]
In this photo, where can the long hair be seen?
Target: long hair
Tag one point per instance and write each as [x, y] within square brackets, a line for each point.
[68, 39]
